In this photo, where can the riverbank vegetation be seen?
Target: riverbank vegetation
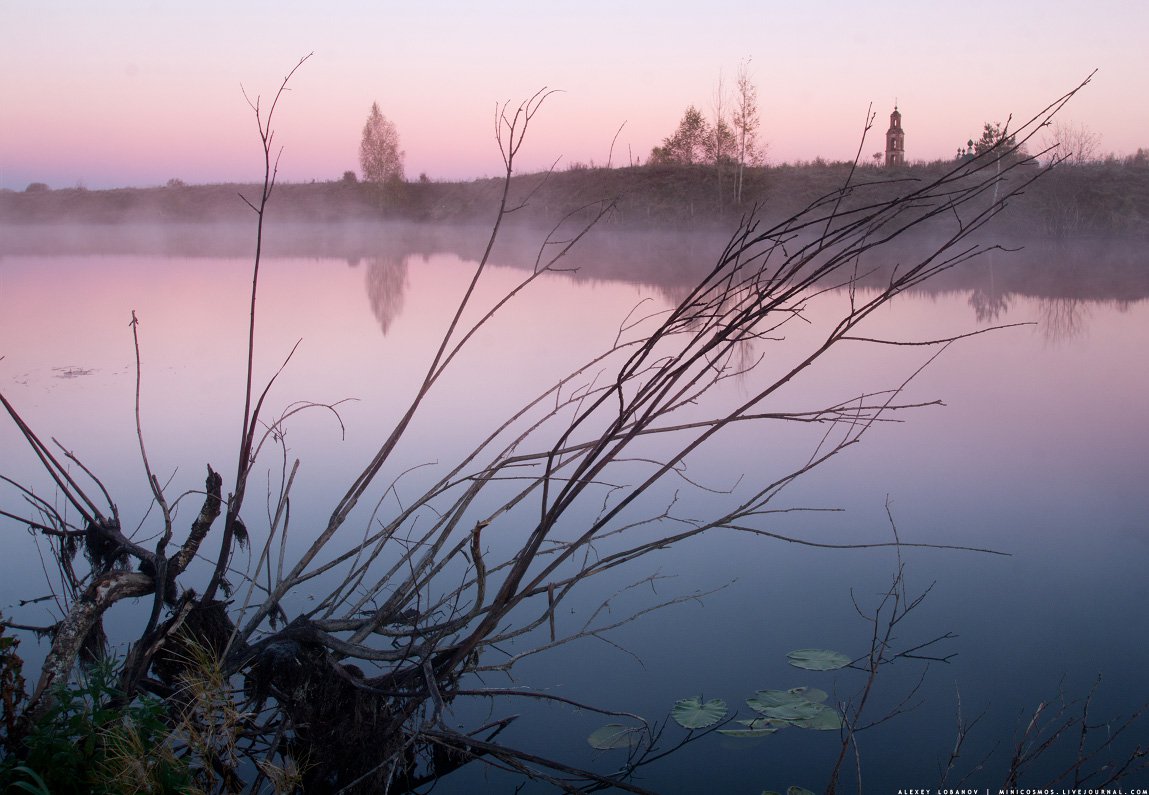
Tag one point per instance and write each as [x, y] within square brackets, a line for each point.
[1094, 198]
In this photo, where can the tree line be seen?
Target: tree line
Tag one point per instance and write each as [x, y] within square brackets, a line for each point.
[728, 139]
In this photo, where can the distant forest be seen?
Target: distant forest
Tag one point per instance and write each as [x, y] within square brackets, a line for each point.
[1102, 198]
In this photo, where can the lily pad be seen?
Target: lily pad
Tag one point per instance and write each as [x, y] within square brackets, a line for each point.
[615, 735]
[818, 659]
[746, 733]
[778, 698]
[756, 727]
[790, 713]
[798, 791]
[691, 713]
[783, 705]
[758, 723]
[774, 698]
[824, 719]
[810, 694]
[799, 707]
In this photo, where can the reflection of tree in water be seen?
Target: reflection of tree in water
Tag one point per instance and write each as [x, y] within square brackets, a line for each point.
[386, 287]
[746, 351]
[989, 304]
[1062, 318]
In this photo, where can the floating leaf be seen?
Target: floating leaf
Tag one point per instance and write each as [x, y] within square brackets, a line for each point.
[810, 694]
[691, 713]
[746, 733]
[757, 727]
[829, 720]
[826, 719]
[780, 698]
[798, 791]
[790, 713]
[615, 735]
[773, 698]
[760, 723]
[798, 707]
[818, 659]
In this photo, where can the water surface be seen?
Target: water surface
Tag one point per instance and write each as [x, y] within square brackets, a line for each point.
[1039, 452]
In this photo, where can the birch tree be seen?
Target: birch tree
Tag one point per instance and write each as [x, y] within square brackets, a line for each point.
[721, 139]
[746, 123]
[380, 157]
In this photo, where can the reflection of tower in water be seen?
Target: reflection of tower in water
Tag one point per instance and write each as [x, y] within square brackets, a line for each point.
[386, 284]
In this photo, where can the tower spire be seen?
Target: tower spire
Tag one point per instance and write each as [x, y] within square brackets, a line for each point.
[895, 139]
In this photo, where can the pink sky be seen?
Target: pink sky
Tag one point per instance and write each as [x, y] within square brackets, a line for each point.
[134, 93]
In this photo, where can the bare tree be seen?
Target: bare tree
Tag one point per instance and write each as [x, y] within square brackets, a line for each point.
[720, 142]
[746, 124]
[411, 604]
[380, 157]
[1076, 144]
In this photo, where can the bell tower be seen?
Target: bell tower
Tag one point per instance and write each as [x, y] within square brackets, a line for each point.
[895, 140]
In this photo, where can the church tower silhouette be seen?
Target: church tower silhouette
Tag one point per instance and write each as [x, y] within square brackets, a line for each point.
[895, 140]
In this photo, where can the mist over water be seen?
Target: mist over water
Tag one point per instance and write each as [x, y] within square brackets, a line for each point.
[1115, 269]
[1039, 452]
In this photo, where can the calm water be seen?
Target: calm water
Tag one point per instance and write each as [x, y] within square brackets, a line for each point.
[1041, 451]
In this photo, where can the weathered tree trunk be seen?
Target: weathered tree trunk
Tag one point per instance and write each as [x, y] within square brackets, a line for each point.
[105, 591]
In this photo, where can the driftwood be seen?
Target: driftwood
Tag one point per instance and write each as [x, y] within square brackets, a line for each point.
[83, 617]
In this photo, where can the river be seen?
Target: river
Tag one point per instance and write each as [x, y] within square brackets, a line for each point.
[1041, 451]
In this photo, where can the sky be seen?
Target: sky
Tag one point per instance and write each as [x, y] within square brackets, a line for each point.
[134, 92]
